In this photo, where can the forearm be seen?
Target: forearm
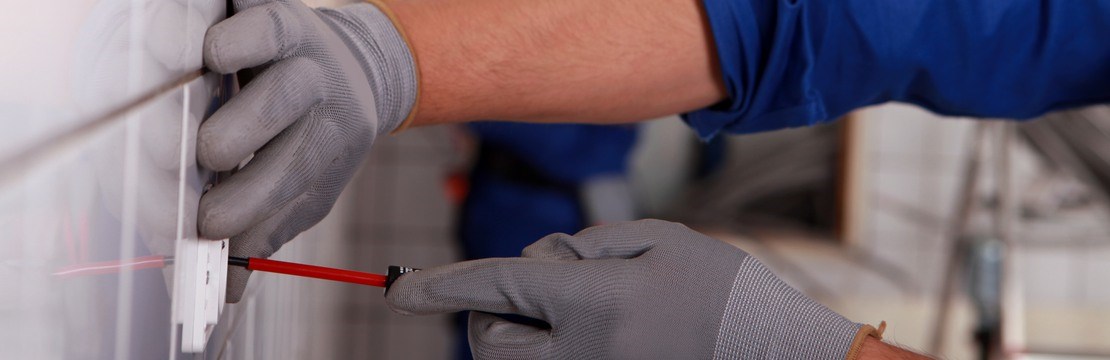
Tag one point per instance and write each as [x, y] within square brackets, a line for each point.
[560, 60]
[875, 349]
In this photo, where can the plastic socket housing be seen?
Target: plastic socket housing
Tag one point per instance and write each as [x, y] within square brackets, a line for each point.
[201, 273]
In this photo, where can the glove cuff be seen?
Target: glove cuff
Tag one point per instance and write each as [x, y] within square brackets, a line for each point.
[386, 58]
[766, 318]
[864, 332]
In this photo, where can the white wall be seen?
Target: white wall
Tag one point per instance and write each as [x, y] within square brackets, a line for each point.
[80, 187]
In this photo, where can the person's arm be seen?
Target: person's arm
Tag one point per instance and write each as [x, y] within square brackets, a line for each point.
[776, 63]
[875, 349]
[560, 60]
[333, 80]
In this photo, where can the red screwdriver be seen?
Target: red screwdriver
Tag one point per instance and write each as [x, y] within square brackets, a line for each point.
[257, 264]
[320, 272]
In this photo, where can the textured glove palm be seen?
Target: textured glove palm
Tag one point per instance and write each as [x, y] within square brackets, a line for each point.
[332, 81]
[640, 290]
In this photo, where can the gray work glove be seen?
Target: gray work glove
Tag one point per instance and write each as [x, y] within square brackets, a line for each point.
[333, 80]
[638, 290]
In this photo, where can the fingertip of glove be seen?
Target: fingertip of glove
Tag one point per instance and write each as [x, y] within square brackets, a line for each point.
[213, 40]
[226, 49]
[211, 148]
[399, 298]
[212, 220]
[413, 294]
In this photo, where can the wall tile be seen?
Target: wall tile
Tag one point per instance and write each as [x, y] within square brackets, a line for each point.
[1047, 276]
[1096, 275]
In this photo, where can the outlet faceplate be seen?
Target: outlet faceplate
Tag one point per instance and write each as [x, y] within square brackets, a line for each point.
[201, 272]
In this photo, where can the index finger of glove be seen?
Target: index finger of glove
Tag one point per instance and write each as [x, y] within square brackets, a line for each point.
[528, 287]
[279, 173]
[251, 38]
[275, 99]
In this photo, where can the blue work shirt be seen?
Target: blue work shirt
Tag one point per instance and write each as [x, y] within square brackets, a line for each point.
[569, 153]
[789, 63]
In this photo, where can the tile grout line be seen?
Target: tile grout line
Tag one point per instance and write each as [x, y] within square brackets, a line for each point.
[129, 217]
[23, 160]
[176, 331]
[175, 337]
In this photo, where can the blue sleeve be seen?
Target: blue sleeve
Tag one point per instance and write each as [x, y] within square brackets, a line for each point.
[593, 150]
[789, 63]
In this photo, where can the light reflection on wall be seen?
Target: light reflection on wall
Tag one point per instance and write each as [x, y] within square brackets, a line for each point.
[115, 192]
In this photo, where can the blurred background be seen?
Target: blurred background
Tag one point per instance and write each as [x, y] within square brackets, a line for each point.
[972, 238]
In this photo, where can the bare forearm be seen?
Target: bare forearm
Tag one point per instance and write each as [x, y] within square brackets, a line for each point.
[560, 60]
[875, 349]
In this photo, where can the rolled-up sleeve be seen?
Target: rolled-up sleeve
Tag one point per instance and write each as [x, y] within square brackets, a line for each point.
[790, 63]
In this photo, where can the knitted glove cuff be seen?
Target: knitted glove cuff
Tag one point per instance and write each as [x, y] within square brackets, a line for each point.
[387, 59]
[864, 332]
[765, 318]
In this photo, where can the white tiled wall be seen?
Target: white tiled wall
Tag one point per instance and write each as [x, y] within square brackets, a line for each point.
[120, 187]
[400, 216]
[105, 193]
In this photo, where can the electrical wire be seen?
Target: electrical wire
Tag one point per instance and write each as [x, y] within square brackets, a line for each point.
[114, 267]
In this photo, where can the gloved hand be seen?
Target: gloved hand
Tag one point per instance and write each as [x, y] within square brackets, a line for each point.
[333, 81]
[638, 290]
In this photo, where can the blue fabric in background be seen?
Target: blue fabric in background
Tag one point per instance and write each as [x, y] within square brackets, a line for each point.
[567, 153]
[500, 216]
[790, 63]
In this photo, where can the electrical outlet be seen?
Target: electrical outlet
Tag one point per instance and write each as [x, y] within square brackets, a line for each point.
[200, 265]
[201, 273]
